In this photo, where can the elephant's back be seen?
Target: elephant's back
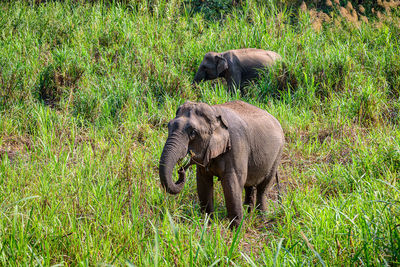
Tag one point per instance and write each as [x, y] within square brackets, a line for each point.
[257, 122]
[250, 113]
[266, 57]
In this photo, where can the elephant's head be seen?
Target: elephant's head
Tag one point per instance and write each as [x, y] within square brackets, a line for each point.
[198, 129]
[212, 67]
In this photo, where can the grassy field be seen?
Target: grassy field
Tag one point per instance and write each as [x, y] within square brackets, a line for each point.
[88, 89]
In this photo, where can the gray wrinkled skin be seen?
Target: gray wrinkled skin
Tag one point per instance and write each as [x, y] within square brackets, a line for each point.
[236, 142]
[236, 66]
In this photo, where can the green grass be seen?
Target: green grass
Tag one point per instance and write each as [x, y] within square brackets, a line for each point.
[87, 91]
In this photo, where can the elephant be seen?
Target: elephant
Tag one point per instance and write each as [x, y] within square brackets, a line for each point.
[237, 66]
[237, 142]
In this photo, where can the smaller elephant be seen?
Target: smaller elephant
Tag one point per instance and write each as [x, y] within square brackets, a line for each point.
[236, 142]
[237, 66]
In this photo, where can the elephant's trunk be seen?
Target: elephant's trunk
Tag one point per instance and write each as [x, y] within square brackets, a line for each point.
[172, 152]
[198, 77]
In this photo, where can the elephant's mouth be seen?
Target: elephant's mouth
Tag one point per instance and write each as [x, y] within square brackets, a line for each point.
[187, 160]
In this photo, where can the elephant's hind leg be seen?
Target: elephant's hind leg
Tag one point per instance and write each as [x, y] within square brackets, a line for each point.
[261, 194]
[263, 187]
[249, 197]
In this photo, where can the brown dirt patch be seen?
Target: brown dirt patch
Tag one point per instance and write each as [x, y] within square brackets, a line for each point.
[297, 160]
[12, 146]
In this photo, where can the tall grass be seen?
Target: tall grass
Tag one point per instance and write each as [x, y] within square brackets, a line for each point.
[87, 91]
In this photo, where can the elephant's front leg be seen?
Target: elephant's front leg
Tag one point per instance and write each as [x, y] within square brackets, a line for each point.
[233, 199]
[205, 190]
[234, 81]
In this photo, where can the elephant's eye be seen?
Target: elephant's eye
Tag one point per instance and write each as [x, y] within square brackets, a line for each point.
[192, 134]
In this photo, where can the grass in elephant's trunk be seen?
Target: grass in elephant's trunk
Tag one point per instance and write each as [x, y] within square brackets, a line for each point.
[188, 160]
[184, 162]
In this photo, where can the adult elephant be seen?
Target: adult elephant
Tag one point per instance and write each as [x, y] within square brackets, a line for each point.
[236, 66]
[237, 142]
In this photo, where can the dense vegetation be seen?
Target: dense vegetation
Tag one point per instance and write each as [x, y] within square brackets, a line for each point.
[86, 93]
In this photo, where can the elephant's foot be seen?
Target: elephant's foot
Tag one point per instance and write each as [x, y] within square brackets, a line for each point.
[235, 222]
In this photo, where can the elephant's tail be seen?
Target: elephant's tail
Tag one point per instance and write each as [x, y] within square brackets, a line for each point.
[278, 188]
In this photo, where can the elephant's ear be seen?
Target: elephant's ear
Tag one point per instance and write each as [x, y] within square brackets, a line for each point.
[220, 141]
[222, 64]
